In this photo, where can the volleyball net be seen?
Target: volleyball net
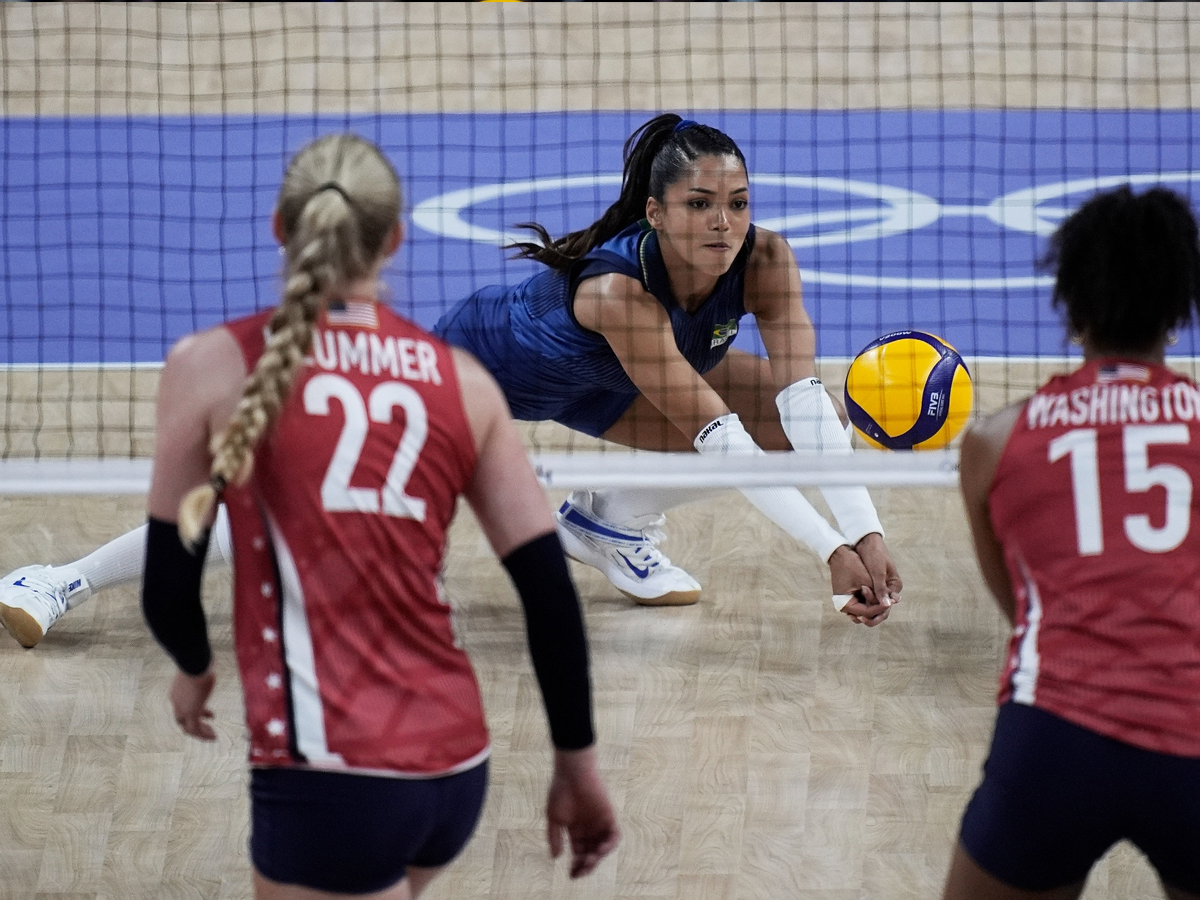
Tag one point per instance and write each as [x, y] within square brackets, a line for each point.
[915, 156]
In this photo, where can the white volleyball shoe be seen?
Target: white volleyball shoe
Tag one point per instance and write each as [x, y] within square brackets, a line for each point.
[626, 553]
[33, 598]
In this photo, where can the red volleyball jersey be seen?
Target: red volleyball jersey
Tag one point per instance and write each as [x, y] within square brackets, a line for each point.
[344, 638]
[1093, 504]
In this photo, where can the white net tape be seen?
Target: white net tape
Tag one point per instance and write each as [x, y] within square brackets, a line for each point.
[567, 471]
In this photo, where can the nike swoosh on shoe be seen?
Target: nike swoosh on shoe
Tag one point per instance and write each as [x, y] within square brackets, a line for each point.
[640, 573]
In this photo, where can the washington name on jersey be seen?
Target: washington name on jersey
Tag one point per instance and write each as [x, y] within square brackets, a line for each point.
[1114, 404]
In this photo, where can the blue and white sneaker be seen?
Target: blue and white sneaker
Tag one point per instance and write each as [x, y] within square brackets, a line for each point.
[627, 554]
[35, 597]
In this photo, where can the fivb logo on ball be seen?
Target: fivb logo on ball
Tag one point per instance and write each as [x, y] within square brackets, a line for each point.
[908, 390]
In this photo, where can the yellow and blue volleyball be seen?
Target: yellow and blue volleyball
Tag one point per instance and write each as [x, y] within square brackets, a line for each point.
[909, 390]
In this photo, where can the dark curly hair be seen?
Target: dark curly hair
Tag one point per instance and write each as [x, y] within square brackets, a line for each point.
[655, 156]
[1127, 268]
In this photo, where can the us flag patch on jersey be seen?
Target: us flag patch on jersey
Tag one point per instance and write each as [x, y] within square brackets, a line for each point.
[1123, 372]
[353, 314]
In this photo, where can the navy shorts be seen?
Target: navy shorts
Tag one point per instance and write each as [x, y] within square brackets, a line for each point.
[358, 834]
[539, 384]
[1055, 796]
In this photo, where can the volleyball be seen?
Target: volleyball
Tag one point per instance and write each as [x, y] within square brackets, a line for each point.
[908, 390]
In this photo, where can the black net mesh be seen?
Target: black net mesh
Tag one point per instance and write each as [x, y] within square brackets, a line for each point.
[914, 156]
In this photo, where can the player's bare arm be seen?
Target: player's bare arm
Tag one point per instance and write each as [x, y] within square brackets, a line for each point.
[504, 493]
[511, 508]
[639, 331]
[982, 447]
[774, 297]
[198, 391]
[200, 383]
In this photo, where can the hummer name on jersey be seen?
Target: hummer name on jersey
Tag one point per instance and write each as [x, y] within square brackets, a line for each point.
[337, 350]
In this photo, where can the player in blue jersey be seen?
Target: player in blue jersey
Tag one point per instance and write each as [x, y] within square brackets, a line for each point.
[626, 336]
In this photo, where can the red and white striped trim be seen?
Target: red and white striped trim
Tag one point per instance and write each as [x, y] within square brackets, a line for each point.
[1024, 679]
[307, 711]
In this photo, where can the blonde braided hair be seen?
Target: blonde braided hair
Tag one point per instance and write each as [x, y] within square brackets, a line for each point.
[339, 200]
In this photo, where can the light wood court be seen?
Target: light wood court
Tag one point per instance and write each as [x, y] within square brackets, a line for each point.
[757, 745]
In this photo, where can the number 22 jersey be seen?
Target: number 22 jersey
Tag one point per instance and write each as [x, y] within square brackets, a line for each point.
[1094, 504]
[344, 640]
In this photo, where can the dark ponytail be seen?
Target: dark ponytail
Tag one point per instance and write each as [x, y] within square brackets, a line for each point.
[655, 156]
[1127, 268]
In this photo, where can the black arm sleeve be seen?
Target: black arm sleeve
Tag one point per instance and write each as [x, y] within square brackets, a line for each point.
[171, 596]
[557, 643]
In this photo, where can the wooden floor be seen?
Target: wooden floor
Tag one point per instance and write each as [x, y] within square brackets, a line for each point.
[757, 745]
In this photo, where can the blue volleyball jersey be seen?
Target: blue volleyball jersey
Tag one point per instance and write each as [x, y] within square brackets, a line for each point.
[551, 367]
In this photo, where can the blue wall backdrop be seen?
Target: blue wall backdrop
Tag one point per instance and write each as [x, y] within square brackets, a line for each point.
[121, 234]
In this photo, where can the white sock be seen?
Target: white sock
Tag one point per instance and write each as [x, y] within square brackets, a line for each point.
[620, 505]
[120, 561]
[123, 559]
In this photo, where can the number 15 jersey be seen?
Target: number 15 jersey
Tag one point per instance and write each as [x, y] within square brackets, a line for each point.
[1093, 502]
[344, 641]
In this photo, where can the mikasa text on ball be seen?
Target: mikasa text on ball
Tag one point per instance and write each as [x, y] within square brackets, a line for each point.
[908, 390]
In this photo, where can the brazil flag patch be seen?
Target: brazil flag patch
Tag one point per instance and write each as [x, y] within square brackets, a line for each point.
[723, 333]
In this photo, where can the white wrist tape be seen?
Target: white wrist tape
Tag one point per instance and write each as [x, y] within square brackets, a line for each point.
[786, 507]
[840, 601]
[812, 424]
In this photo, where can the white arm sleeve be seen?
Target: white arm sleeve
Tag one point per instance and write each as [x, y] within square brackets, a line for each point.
[786, 507]
[811, 423]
